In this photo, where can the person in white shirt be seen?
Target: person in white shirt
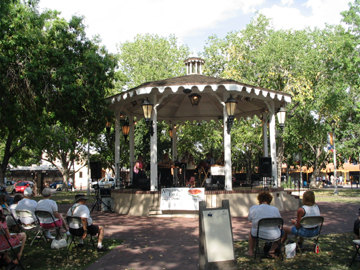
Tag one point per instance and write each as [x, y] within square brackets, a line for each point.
[51, 206]
[79, 209]
[13, 221]
[27, 203]
[309, 209]
[257, 212]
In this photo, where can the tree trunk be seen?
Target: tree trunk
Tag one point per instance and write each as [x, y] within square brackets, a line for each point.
[316, 168]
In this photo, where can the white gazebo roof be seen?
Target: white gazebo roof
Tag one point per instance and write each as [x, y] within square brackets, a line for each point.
[174, 105]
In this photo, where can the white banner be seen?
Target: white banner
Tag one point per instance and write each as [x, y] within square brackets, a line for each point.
[181, 198]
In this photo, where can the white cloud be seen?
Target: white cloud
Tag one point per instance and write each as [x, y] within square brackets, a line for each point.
[287, 2]
[117, 21]
[321, 12]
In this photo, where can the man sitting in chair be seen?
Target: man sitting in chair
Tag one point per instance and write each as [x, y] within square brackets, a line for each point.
[51, 206]
[79, 209]
[27, 203]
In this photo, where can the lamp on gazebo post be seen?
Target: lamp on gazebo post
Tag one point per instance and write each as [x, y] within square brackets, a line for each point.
[108, 126]
[170, 133]
[195, 99]
[147, 107]
[230, 104]
[125, 128]
[333, 126]
[281, 117]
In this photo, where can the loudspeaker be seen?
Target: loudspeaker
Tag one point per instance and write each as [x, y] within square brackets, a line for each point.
[105, 192]
[109, 204]
[95, 167]
[265, 168]
[144, 183]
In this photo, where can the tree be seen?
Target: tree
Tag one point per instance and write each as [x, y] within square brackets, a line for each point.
[150, 58]
[308, 64]
[52, 75]
[21, 78]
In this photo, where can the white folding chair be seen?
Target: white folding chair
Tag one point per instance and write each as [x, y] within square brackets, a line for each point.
[34, 226]
[77, 221]
[11, 220]
[314, 222]
[43, 216]
[269, 223]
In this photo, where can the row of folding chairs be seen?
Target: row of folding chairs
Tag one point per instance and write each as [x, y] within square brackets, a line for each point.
[267, 223]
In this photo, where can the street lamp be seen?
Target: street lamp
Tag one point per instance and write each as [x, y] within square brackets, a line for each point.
[230, 104]
[300, 179]
[147, 107]
[333, 126]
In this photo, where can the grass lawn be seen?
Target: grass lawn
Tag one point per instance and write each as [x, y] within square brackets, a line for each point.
[66, 197]
[336, 253]
[41, 256]
[345, 195]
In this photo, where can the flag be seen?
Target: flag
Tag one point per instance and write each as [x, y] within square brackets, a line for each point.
[330, 142]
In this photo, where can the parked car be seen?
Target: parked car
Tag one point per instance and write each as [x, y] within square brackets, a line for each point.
[103, 182]
[21, 185]
[10, 186]
[55, 184]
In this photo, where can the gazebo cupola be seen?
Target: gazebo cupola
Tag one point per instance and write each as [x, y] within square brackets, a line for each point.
[194, 65]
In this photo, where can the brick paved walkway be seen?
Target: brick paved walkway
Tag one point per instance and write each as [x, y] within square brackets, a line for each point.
[153, 243]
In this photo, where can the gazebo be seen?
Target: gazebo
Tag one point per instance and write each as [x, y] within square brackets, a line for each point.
[196, 97]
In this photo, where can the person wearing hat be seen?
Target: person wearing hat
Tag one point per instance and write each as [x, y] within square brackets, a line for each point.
[50, 206]
[27, 203]
[79, 209]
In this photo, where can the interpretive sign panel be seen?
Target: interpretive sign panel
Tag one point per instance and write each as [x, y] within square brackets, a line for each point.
[218, 237]
[181, 198]
[216, 245]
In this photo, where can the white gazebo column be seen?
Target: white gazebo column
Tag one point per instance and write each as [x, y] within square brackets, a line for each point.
[175, 154]
[273, 144]
[131, 147]
[227, 151]
[153, 151]
[265, 134]
[117, 147]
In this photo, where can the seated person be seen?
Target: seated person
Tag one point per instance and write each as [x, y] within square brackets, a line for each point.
[9, 199]
[356, 228]
[46, 204]
[14, 240]
[309, 209]
[27, 203]
[220, 161]
[257, 212]
[12, 222]
[79, 209]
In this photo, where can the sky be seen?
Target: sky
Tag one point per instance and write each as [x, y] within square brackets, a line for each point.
[191, 21]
